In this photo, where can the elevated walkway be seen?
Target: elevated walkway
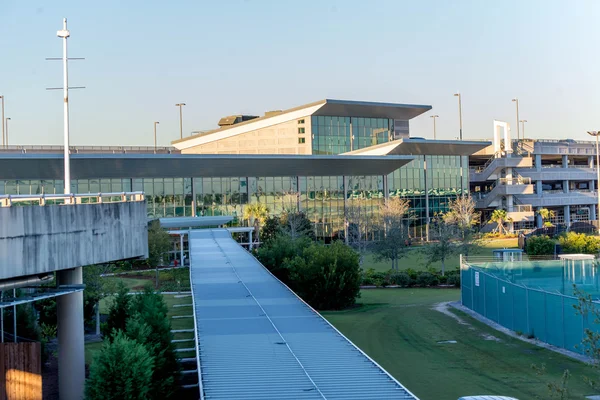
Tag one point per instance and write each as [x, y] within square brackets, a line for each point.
[257, 340]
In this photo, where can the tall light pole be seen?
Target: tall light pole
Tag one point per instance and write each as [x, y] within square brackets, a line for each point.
[518, 131]
[596, 133]
[64, 35]
[180, 105]
[6, 123]
[434, 132]
[523, 123]
[457, 94]
[3, 133]
[155, 123]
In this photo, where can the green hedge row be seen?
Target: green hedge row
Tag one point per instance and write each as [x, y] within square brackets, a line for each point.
[409, 278]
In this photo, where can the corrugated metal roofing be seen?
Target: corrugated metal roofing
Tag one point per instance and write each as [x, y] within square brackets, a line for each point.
[258, 340]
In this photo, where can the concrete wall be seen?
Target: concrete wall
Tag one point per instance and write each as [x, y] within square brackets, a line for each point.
[281, 138]
[35, 239]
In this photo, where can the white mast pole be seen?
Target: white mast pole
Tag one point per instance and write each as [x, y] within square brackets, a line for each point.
[64, 34]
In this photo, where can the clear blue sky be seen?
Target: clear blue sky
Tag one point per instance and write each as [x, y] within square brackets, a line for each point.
[235, 56]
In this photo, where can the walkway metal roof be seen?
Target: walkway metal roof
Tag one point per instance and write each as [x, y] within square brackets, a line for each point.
[416, 146]
[93, 166]
[257, 340]
[194, 222]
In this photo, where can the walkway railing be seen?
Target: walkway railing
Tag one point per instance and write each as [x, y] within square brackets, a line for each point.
[53, 199]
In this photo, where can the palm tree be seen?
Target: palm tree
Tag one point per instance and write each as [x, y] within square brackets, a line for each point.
[499, 217]
[546, 215]
[256, 214]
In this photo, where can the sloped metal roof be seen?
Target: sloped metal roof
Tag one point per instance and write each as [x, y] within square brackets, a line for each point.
[258, 340]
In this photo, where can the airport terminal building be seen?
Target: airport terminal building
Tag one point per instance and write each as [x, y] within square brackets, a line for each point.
[328, 154]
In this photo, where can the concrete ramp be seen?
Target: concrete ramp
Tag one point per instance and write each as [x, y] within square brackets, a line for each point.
[39, 239]
[257, 340]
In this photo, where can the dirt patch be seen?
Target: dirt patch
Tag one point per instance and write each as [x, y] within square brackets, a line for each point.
[443, 308]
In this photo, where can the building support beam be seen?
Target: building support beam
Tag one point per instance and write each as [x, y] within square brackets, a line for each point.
[538, 218]
[538, 162]
[567, 212]
[565, 161]
[593, 212]
[71, 359]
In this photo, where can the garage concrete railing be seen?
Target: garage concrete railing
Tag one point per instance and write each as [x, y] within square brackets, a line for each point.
[82, 198]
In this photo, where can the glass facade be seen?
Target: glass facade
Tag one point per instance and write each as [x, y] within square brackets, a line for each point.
[335, 135]
[428, 182]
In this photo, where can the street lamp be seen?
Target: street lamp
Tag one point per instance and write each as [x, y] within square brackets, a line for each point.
[457, 94]
[434, 117]
[180, 119]
[6, 123]
[155, 123]
[517, 102]
[523, 122]
[595, 134]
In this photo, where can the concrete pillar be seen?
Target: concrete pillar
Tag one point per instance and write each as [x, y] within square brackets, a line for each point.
[592, 186]
[538, 219]
[509, 203]
[538, 162]
[509, 176]
[565, 185]
[593, 212]
[538, 188]
[567, 212]
[591, 161]
[427, 217]
[565, 161]
[71, 359]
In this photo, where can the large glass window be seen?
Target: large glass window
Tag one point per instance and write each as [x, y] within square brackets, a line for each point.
[335, 135]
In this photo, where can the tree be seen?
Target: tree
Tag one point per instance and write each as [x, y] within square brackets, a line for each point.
[539, 246]
[159, 242]
[121, 370]
[149, 325]
[358, 224]
[499, 216]
[270, 229]
[118, 312]
[294, 222]
[546, 215]
[96, 288]
[276, 252]
[256, 214]
[573, 242]
[395, 239]
[461, 213]
[442, 247]
[326, 277]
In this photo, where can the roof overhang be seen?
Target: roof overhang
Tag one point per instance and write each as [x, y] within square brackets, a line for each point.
[422, 147]
[94, 166]
[366, 109]
[194, 222]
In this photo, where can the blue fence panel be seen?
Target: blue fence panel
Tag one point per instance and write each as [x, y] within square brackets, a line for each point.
[573, 326]
[505, 296]
[466, 287]
[520, 323]
[491, 297]
[478, 293]
[554, 320]
[537, 317]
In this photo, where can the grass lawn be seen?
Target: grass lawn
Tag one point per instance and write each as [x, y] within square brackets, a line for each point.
[399, 330]
[416, 260]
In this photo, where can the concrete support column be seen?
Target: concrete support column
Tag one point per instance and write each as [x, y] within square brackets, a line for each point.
[565, 161]
[565, 185]
[538, 162]
[538, 188]
[567, 216]
[593, 212]
[592, 186]
[538, 218]
[71, 360]
[509, 176]
[509, 203]
[193, 198]
[427, 217]
[591, 161]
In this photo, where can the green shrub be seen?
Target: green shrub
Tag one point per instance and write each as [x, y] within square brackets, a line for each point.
[121, 370]
[425, 279]
[454, 280]
[540, 246]
[276, 252]
[443, 279]
[118, 312]
[412, 273]
[401, 279]
[326, 277]
[573, 242]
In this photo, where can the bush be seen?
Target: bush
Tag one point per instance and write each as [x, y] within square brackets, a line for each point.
[454, 280]
[401, 279]
[425, 279]
[118, 312]
[443, 279]
[573, 242]
[274, 254]
[121, 370]
[326, 277]
[540, 246]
